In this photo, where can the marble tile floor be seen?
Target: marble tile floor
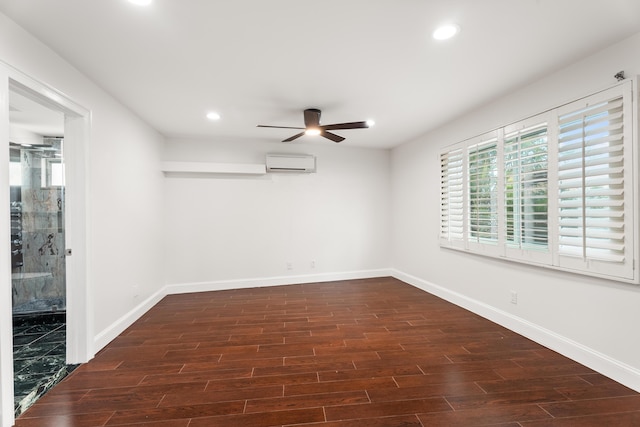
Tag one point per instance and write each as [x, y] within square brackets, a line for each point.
[39, 349]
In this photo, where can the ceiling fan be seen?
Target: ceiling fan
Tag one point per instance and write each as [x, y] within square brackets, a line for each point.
[312, 126]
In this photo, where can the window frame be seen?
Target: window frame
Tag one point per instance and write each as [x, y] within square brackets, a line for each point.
[624, 270]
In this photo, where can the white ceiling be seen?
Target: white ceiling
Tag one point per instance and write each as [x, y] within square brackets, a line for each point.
[26, 114]
[263, 62]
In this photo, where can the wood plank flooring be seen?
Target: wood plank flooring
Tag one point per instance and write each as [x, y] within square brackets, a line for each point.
[362, 353]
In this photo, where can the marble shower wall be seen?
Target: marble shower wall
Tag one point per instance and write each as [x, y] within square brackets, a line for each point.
[39, 285]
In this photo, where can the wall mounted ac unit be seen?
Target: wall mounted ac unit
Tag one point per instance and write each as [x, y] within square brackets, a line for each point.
[305, 163]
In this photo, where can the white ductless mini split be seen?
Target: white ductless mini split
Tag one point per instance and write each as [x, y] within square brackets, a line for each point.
[301, 163]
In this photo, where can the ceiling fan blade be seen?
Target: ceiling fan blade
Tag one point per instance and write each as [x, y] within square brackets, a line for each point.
[352, 125]
[312, 118]
[331, 136]
[278, 127]
[291, 138]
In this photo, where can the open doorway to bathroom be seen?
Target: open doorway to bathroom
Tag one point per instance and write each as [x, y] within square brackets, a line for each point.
[70, 139]
[38, 265]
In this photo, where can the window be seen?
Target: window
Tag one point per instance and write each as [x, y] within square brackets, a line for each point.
[553, 190]
[52, 172]
[526, 190]
[15, 173]
[482, 180]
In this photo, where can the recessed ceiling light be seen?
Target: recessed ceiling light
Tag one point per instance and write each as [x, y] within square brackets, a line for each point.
[141, 2]
[445, 32]
[370, 123]
[213, 115]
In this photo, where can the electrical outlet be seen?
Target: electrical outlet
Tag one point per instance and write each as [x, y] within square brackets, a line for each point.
[514, 297]
[312, 264]
[289, 266]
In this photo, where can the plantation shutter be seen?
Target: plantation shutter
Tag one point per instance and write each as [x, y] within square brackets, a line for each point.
[482, 190]
[555, 189]
[451, 196]
[592, 185]
[526, 188]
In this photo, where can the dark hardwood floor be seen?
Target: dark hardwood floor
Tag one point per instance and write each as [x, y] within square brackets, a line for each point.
[362, 353]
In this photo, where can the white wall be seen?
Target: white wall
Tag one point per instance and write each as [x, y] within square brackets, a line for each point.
[590, 319]
[125, 182]
[239, 229]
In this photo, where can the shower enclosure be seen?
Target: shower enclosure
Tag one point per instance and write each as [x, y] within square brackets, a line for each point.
[37, 227]
[37, 267]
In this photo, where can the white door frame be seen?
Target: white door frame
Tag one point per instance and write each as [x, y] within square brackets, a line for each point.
[80, 343]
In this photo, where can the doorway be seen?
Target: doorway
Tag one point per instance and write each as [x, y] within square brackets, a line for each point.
[45, 214]
[38, 267]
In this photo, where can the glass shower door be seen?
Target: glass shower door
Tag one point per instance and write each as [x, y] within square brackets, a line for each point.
[37, 219]
[38, 264]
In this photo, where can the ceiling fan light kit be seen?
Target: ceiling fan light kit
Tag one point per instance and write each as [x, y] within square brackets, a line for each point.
[312, 126]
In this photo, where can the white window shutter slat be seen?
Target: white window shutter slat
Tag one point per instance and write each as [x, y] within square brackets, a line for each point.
[451, 200]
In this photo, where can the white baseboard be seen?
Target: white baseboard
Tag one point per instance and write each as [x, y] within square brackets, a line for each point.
[273, 281]
[120, 325]
[116, 328]
[612, 368]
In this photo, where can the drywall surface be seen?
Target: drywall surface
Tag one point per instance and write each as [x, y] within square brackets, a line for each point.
[236, 227]
[596, 316]
[125, 183]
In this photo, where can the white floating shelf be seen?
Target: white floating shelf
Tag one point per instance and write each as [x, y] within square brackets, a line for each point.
[214, 168]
